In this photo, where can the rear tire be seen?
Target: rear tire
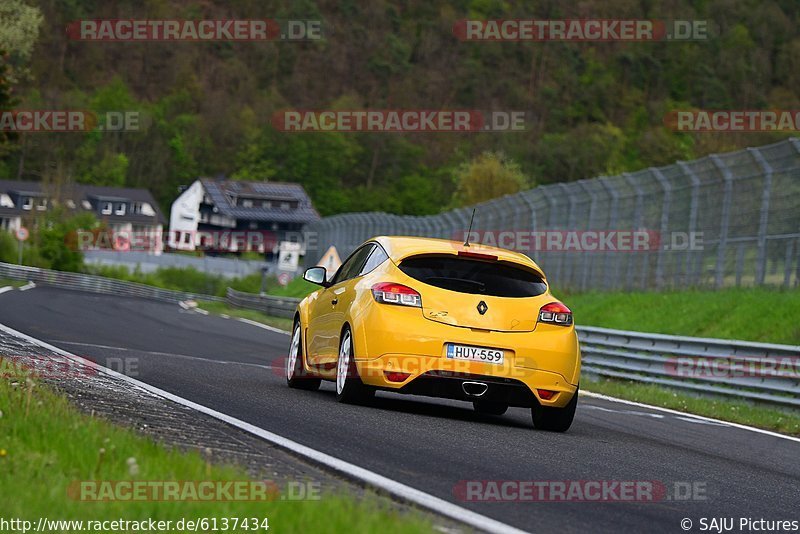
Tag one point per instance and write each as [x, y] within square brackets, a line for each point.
[555, 419]
[296, 375]
[349, 388]
[489, 407]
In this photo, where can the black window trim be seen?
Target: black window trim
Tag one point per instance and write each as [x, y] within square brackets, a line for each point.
[335, 279]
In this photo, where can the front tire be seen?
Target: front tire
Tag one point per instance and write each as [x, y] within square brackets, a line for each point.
[349, 388]
[555, 419]
[296, 375]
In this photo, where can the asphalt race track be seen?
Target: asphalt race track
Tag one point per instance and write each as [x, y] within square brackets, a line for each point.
[429, 444]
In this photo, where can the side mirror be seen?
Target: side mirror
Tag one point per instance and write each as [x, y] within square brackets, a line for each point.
[316, 275]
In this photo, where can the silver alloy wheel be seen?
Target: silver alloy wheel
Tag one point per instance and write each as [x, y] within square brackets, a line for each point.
[294, 350]
[343, 366]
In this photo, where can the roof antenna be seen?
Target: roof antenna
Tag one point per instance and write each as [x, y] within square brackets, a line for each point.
[466, 239]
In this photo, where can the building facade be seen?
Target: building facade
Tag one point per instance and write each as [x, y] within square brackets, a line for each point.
[128, 213]
[218, 215]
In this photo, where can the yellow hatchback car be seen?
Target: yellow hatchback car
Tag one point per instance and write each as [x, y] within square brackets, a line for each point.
[443, 319]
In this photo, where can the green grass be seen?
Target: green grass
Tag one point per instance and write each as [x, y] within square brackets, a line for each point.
[220, 308]
[46, 444]
[296, 288]
[194, 281]
[776, 419]
[14, 283]
[754, 314]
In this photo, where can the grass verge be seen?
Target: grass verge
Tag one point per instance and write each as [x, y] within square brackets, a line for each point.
[741, 412]
[46, 444]
[220, 308]
[753, 314]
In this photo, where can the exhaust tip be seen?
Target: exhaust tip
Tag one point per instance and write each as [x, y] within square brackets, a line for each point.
[474, 389]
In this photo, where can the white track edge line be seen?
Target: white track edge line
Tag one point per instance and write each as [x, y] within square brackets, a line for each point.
[29, 285]
[740, 426]
[425, 500]
[264, 326]
[6, 288]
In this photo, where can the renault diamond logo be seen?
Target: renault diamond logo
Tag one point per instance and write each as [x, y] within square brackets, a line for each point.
[482, 307]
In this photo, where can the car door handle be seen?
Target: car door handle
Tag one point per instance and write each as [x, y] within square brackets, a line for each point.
[335, 301]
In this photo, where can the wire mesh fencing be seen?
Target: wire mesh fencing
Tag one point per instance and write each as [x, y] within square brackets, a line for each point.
[723, 220]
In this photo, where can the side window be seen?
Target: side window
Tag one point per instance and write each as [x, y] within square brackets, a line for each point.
[352, 265]
[377, 257]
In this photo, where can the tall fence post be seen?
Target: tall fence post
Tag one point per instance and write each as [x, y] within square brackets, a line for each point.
[552, 223]
[608, 278]
[568, 260]
[691, 271]
[722, 244]
[666, 205]
[638, 218]
[587, 266]
[763, 218]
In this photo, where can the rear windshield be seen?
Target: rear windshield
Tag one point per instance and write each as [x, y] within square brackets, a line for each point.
[478, 277]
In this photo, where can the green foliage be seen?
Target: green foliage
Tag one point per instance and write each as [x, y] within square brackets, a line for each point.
[8, 248]
[488, 176]
[591, 109]
[54, 239]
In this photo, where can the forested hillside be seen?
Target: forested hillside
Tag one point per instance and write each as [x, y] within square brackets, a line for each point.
[591, 108]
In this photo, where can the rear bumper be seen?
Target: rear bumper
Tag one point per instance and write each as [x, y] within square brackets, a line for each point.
[450, 386]
[443, 377]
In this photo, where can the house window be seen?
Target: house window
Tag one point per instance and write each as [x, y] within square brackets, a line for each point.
[86, 204]
[106, 208]
[71, 204]
[266, 204]
[42, 204]
[27, 203]
[187, 238]
[247, 203]
[120, 209]
[284, 205]
[253, 225]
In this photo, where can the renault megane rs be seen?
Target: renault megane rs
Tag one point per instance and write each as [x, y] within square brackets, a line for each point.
[439, 318]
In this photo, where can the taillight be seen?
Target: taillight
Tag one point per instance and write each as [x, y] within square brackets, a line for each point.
[391, 293]
[555, 313]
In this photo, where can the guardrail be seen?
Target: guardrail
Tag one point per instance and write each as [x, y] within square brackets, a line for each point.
[277, 306]
[755, 371]
[96, 284]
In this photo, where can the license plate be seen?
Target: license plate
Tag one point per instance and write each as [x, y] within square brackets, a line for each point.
[475, 354]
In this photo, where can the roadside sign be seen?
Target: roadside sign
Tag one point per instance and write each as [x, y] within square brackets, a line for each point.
[284, 279]
[288, 256]
[330, 260]
[22, 233]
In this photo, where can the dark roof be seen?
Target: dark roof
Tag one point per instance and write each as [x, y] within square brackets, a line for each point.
[79, 192]
[224, 192]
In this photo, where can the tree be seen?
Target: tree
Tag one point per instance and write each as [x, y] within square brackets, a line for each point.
[488, 176]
